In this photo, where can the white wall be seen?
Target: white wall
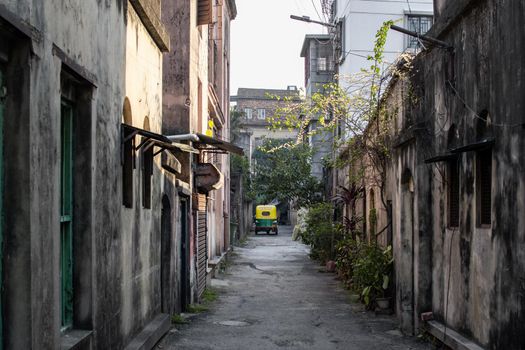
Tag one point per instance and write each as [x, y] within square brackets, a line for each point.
[362, 20]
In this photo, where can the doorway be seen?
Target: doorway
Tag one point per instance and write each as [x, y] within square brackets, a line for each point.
[184, 254]
[165, 255]
[406, 269]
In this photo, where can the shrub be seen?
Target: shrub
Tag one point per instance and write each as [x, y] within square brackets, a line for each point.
[371, 271]
[320, 232]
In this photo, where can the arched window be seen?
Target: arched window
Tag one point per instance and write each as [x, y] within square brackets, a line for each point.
[128, 157]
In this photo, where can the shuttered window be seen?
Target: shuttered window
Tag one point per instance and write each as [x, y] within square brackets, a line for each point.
[66, 214]
[484, 186]
[453, 193]
[204, 12]
[147, 172]
[128, 156]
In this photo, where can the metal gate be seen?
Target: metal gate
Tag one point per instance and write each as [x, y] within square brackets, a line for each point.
[202, 243]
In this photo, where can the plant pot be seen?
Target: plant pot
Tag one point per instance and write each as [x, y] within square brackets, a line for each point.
[383, 303]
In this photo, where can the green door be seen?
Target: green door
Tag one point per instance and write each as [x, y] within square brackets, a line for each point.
[66, 215]
[2, 99]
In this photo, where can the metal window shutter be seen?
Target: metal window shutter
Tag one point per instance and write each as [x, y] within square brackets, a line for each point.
[453, 194]
[202, 244]
[204, 12]
[485, 186]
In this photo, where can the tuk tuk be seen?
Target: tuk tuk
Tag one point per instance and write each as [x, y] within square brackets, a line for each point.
[266, 219]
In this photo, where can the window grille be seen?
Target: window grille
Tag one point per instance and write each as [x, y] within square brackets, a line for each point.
[322, 64]
[453, 193]
[147, 172]
[66, 213]
[420, 25]
[484, 186]
[261, 113]
[248, 113]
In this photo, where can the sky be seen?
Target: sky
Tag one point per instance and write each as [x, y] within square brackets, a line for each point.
[266, 43]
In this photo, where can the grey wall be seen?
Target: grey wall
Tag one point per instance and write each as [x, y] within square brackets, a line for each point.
[485, 265]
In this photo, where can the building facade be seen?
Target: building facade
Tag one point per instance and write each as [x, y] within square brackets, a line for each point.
[318, 53]
[100, 237]
[196, 112]
[455, 179]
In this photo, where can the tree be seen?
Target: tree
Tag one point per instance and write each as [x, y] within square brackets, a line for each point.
[283, 174]
[353, 105]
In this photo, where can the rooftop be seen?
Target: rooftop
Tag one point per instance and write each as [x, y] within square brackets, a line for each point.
[265, 94]
[309, 37]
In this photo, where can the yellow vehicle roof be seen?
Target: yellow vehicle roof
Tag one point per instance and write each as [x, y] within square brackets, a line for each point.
[272, 209]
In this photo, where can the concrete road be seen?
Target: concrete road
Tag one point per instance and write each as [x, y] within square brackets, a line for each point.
[274, 297]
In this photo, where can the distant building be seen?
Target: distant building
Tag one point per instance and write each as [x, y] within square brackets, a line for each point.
[319, 70]
[358, 22]
[256, 107]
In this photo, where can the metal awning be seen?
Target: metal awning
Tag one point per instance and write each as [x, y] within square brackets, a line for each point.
[442, 158]
[214, 145]
[476, 146]
[151, 139]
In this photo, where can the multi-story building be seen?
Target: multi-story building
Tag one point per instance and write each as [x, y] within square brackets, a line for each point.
[318, 53]
[256, 107]
[357, 23]
[99, 244]
[196, 111]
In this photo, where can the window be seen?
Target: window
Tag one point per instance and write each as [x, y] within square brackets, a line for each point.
[265, 213]
[128, 158]
[147, 170]
[204, 12]
[66, 207]
[75, 212]
[248, 113]
[322, 64]
[261, 113]
[420, 25]
[484, 186]
[453, 193]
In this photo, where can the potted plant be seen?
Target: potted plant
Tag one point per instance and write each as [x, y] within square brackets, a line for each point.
[371, 272]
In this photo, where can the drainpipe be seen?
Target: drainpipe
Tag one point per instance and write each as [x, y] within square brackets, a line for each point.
[184, 137]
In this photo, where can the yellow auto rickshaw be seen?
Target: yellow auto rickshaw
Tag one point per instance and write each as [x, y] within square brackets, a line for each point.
[266, 219]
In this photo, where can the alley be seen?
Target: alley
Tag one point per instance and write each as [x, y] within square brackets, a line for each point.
[274, 297]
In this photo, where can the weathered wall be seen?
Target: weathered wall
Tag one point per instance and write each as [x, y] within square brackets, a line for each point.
[92, 36]
[484, 264]
[141, 230]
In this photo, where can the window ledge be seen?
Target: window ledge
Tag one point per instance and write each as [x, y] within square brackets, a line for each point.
[76, 339]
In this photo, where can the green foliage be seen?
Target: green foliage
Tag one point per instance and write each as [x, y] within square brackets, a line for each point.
[197, 308]
[352, 104]
[364, 267]
[209, 295]
[178, 319]
[240, 165]
[320, 232]
[371, 271]
[283, 173]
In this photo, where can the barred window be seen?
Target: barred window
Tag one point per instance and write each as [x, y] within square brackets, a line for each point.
[420, 25]
[484, 186]
[453, 193]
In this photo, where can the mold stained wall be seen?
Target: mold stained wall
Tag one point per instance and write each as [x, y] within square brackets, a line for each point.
[140, 250]
[92, 34]
[486, 265]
